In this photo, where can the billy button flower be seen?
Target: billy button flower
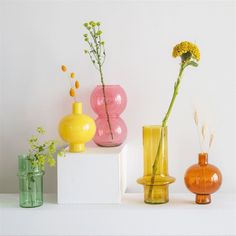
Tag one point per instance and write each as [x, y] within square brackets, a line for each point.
[190, 55]
[187, 51]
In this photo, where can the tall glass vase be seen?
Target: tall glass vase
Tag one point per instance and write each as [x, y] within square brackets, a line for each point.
[155, 184]
[30, 183]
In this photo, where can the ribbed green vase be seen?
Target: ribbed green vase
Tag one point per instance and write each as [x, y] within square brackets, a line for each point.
[30, 183]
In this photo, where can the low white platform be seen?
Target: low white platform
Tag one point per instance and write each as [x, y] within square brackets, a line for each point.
[179, 217]
[97, 175]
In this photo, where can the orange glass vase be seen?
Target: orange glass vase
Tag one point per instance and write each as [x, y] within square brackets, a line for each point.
[203, 179]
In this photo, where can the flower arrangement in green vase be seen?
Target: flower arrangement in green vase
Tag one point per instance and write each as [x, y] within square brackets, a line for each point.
[156, 178]
[31, 169]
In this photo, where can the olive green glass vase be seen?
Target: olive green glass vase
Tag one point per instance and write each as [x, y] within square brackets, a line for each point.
[155, 185]
[30, 183]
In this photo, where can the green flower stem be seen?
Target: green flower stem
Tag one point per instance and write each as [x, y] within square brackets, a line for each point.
[176, 90]
[96, 50]
[103, 85]
[164, 122]
[105, 100]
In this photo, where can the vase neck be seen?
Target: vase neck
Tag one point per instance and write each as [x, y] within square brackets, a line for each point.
[202, 159]
[77, 108]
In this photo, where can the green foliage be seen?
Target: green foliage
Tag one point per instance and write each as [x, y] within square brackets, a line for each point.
[192, 63]
[41, 153]
[96, 50]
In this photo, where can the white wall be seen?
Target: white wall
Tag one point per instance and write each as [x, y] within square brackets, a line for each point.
[39, 36]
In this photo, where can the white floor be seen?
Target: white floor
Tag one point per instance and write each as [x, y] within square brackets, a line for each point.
[179, 217]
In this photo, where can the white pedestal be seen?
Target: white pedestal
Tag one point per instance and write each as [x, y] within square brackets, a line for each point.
[97, 175]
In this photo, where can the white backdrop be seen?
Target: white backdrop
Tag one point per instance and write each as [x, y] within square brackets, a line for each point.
[38, 36]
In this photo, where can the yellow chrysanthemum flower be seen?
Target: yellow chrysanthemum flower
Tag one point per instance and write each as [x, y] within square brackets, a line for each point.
[185, 47]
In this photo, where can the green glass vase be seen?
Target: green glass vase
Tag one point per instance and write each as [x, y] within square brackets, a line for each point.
[30, 183]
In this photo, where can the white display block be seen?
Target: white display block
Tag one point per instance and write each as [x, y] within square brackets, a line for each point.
[97, 175]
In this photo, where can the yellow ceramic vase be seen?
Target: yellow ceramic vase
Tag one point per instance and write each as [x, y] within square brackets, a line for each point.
[77, 128]
[155, 188]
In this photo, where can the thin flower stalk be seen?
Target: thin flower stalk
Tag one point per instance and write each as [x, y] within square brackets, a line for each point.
[189, 54]
[97, 55]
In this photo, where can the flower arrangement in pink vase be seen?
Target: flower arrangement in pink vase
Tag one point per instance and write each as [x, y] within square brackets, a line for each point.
[116, 133]
[107, 101]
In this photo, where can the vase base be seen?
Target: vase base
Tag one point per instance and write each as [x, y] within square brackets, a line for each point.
[203, 198]
[29, 204]
[156, 203]
[156, 194]
[108, 144]
[77, 147]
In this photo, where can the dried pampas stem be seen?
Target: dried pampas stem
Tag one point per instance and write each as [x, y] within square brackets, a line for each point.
[196, 118]
[204, 132]
[211, 140]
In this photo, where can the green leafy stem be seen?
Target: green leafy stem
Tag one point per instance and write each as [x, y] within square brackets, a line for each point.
[41, 153]
[97, 55]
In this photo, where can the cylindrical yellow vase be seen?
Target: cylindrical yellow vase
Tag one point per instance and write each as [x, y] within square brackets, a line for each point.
[155, 186]
[77, 128]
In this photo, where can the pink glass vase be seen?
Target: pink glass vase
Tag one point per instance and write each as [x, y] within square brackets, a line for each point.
[111, 129]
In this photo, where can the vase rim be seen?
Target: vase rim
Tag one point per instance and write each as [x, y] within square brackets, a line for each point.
[23, 156]
[203, 154]
[153, 126]
[109, 85]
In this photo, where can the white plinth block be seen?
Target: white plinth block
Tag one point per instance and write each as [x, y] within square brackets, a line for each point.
[97, 175]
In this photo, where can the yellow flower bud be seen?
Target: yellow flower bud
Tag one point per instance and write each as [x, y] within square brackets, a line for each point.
[72, 92]
[72, 75]
[77, 84]
[63, 68]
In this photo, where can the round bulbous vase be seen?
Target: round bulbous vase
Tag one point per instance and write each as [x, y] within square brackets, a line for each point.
[203, 179]
[77, 128]
[108, 102]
